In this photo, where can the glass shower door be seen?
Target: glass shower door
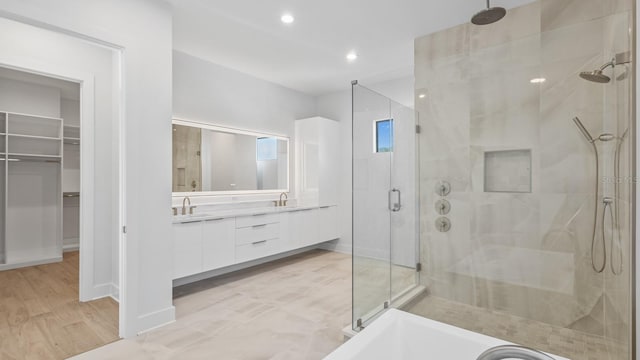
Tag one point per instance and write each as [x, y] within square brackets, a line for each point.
[384, 206]
[371, 198]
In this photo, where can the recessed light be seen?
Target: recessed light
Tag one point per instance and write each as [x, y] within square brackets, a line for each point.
[538, 80]
[287, 18]
[352, 56]
[422, 96]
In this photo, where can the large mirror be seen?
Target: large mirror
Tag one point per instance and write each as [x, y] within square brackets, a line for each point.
[210, 160]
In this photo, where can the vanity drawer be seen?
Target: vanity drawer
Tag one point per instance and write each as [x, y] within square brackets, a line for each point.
[248, 235]
[257, 249]
[259, 219]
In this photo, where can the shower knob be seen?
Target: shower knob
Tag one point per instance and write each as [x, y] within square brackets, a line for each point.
[443, 224]
[443, 188]
[443, 207]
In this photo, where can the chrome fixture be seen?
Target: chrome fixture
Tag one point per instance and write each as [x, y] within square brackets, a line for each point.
[443, 224]
[598, 76]
[443, 207]
[395, 207]
[488, 15]
[606, 201]
[184, 207]
[283, 202]
[513, 352]
[443, 188]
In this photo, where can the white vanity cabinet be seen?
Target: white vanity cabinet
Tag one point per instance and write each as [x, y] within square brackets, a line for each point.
[303, 227]
[187, 251]
[218, 249]
[329, 224]
[257, 236]
[215, 243]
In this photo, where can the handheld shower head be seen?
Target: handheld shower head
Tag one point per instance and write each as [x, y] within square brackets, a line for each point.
[583, 130]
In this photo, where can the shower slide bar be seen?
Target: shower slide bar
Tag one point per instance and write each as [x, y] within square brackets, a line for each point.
[608, 203]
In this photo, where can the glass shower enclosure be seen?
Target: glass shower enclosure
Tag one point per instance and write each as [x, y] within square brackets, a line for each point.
[525, 168]
[385, 208]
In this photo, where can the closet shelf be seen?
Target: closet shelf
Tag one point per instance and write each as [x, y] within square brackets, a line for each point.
[72, 141]
[34, 137]
[34, 157]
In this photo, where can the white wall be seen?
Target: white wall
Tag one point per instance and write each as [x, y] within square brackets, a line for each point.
[22, 97]
[210, 93]
[337, 106]
[143, 29]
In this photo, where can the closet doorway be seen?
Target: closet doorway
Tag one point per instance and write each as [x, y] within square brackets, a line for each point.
[59, 204]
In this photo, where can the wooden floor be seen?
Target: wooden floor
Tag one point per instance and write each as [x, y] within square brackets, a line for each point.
[41, 317]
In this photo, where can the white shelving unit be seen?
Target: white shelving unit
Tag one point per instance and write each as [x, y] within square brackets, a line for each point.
[31, 216]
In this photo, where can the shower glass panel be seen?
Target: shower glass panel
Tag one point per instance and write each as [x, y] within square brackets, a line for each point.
[539, 246]
[384, 203]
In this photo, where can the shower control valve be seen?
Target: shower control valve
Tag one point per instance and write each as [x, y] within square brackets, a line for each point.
[443, 224]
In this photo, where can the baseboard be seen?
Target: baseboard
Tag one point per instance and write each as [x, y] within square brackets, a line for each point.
[336, 247]
[73, 246]
[156, 319]
[43, 261]
[101, 291]
[115, 292]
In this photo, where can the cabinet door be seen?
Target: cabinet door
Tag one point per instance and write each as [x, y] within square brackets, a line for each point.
[187, 251]
[218, 243]
[329, 226]
[304, 227]
[329, 162]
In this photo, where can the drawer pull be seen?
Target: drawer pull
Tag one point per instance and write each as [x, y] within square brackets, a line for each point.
[259, 226]
[259, 242]
[190, 222]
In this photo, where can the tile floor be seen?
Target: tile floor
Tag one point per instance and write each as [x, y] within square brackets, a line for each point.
[564, 342]
[293, 309]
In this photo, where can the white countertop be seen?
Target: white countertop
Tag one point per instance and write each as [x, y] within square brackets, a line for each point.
[229, 213]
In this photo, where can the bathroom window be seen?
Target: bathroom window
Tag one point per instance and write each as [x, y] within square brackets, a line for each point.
[384, 136]
[266, 148]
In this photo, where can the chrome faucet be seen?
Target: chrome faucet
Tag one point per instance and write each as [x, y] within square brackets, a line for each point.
[513, 352]
[184, 207]
[283, 202]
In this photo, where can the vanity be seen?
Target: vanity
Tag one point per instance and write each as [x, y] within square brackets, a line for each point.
[232, 205]
[214, 241]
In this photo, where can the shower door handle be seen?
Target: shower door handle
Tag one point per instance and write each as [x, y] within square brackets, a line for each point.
[397, 205]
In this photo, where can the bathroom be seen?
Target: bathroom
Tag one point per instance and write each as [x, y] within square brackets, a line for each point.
[277, 186]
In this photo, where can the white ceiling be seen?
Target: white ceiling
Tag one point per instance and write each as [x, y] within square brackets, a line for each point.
[309, 55]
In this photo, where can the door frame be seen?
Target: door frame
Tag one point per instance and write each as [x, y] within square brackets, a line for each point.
[86, 81]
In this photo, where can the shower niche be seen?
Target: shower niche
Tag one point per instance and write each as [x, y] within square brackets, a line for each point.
[507, 171]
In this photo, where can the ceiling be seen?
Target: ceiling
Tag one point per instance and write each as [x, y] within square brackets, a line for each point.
[309, 55]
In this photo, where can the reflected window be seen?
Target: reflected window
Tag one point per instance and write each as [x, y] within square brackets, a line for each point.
[266, 148]
[384, 135]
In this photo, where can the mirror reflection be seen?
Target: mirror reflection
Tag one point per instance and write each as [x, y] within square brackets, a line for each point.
[219, 159]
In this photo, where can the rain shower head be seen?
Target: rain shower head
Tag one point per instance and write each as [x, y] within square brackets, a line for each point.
[595, 76]
[488, 15]
[583, 130]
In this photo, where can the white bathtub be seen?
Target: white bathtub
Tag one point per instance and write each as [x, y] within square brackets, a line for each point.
[399, 335]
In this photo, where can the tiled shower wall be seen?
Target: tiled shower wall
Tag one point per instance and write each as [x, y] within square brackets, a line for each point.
[528, 254]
